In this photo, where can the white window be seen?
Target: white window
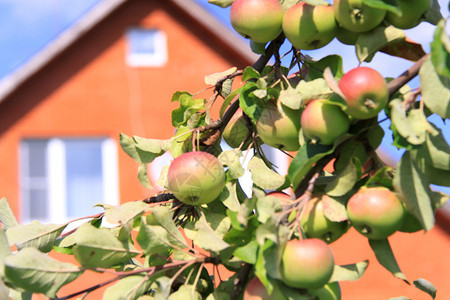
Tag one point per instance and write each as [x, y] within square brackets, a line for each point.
[62, 179]
[146, 47]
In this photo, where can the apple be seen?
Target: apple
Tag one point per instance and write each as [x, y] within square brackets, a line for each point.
[306, 263]
[323, 121]
[278, 126]
[356, 16]
[330, 291]
[366, 92]
[316, 225]
[309, 27]
[236, 130]
[412, 12]
[375, 212]
[257, 20]
[196, 178]
[255, 290]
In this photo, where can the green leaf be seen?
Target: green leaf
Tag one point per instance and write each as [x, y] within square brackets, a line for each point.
[250, 73]
[426, 286]
[182, 141]
[314, 89]
[385, 257]
[210, 238]
[291, 98]
[412, 127]
[100, 248]
[34, 235]
[4, 290]
[438, 150]
[264, 177]
[413, 188]
[158, 233]
[383, 5]
[247, 253]
[369, 43]
[7, 217]
[221, 3]
[433, 15]
[316, 68]
[344, 181]
[143, 176]
[125, 213]
[440, 49]
[334, 208]
[251, 105]
[214, 78]
[305, 159]
[229, 197]
[188, 107]
[36, 272]
[228, 100]
[5, 250]
[435, 89]
[143, 150]
[128, 288]
[349, 272]
[258, 48]
[230, 158]
[266, 207]
[163, 290]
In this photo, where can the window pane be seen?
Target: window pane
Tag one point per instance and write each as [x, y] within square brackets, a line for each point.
[36, 158]
[38, 204]
[142, 41]
[84, 184]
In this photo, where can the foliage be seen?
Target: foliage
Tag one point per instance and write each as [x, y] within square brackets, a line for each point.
[161, 248]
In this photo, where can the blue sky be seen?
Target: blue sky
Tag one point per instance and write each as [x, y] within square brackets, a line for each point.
[27, 26]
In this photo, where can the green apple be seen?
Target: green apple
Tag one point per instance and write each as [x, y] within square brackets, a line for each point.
[278, 126]
[309, 27]
[412, 13]
[356, 16]
[236, 131]
[323, 122]
[196, 178]
[257, 20]
[375, 212]
[316, 225]
[306, 263]
[366, 92]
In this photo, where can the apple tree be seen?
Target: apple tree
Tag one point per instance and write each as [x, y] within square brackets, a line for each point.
[272, 239]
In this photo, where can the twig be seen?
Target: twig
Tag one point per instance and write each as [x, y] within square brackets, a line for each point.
[240, 281]
[406, 76]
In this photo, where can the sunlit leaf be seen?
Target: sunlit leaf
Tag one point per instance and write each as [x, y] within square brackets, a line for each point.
[291, 98]
[36, 272]
[4, 249]
[185, 292]
[435, 89]
[382, 5]
[410, 183]
[207, 238]
[264, 177]
[440, 50]
[188, 106]
[230, 158]
[369, 43]
[221, 3]
[35, 234]
[349, 272]
[314, 89]
[124, 213]
[316, 68]
[214, 78]
[386, 258]
[426, 286]
[7, 217]
[128, 288]
[250, 73]
[100, 248]
[143, 176]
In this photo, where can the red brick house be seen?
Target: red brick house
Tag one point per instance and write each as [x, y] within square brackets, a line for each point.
[115, 71]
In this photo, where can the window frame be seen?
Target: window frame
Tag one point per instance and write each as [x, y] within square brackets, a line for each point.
[157, 59]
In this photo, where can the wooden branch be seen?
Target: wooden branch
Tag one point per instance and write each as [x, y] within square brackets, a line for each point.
[406, 76]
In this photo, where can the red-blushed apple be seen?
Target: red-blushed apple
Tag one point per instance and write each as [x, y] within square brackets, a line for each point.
[306, 263]
[356, 16]
[236, 131]
[412, 12]
[309, 27]
[366, 92]
[316, 225]
[330, 291]
[255, 290]
[196, 178]
[257, 20]
[323, 122]
[278, 126]
[375, 212]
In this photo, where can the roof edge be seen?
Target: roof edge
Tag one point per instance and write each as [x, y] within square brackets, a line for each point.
[12, 81]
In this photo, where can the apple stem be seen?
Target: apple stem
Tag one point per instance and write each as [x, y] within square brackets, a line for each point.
[357, 13]
[369, 103]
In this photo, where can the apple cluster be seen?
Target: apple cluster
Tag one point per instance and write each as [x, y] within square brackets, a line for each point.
[311, 27]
